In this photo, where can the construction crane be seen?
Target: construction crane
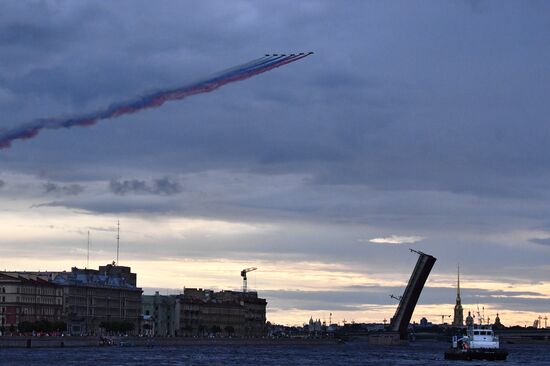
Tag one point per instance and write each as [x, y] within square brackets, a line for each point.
[243, 275]
[443, 318]
[398, 298]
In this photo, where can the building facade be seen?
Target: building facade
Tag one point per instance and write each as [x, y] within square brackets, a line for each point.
[28, 297]
[230, 313]
[162, 313]
[92, 298]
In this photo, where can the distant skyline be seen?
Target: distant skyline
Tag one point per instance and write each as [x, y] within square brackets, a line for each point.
[415, 124]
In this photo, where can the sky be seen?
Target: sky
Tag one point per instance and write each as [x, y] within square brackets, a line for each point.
[414, 125]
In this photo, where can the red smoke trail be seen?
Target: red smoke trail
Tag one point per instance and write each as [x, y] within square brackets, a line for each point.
[238, 73]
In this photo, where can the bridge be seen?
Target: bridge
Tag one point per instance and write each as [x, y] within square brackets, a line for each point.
[525, 335]
[407, 303]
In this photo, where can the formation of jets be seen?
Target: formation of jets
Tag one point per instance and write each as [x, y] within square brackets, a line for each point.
[292, 54]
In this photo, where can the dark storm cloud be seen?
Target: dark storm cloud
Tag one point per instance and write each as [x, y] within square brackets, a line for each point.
[34, 32]
[354, 298]
[163, 187]
[544, 241]
[48, 204]
[347, 117]
[2, 183]
[428, 120]
[357, 298]
[133, 206]
[60, 189]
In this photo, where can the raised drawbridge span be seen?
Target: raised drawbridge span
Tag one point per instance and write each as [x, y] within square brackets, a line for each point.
[407, 302]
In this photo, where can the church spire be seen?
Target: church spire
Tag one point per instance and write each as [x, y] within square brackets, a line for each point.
[458, 284]
[458, 320]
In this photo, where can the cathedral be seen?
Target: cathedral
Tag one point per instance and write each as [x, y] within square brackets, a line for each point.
[458, 320]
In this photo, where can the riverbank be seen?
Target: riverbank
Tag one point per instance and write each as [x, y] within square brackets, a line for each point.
[57, 342]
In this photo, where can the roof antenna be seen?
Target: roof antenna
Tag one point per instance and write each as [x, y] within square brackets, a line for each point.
[117, 241]
[88, 255]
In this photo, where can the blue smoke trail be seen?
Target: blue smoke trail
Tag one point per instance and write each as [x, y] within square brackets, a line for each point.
[156, 99]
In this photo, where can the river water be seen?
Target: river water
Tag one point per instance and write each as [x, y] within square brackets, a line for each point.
[419, 353]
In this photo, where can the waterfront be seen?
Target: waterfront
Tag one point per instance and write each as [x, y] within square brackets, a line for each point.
[345, 354]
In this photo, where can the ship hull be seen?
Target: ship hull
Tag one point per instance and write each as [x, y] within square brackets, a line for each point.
[477, 354]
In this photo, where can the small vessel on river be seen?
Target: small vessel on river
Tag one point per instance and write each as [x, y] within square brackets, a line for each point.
[479, 343]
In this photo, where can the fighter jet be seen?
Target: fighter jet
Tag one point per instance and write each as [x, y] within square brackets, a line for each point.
[291, 55]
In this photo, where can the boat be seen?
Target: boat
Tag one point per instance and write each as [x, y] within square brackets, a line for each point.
[479, 343]
[126, 344]
[104, 341]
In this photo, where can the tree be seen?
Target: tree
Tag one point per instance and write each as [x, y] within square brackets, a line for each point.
[117, 326]
[229, 330]
[126, 326]
[59, 326]
[215, 329]
[105, 325]
[188, 329]
[202, 329]
[25, 327]
[43, 326]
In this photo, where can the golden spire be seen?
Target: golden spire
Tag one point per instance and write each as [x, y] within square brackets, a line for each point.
[458, 283]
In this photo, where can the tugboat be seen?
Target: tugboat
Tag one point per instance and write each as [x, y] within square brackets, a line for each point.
[479, 343]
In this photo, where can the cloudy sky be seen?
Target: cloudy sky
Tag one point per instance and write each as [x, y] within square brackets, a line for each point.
[414, 124]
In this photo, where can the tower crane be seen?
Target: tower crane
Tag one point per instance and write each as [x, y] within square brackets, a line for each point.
[443, 318]
[243, 275]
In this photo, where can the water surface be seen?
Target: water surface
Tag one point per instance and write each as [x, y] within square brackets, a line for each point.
[419, 353]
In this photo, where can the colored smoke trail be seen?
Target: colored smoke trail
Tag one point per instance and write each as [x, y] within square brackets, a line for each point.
[156, 99]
